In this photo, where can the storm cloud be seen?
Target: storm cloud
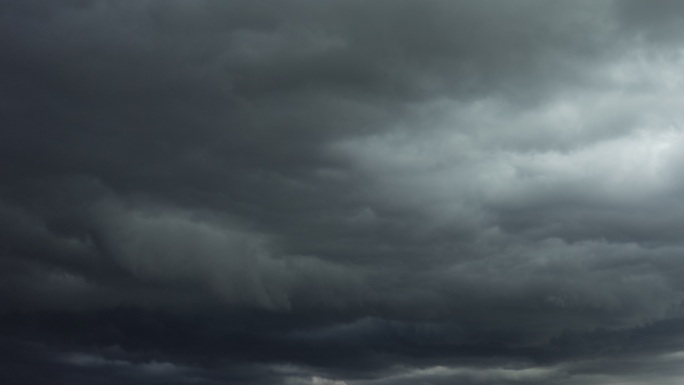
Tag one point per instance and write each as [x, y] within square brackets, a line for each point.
[341, 192]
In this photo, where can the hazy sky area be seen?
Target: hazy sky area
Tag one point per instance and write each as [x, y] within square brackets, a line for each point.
[342, 192]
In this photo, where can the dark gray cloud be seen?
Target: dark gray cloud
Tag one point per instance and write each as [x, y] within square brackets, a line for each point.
[341, 192]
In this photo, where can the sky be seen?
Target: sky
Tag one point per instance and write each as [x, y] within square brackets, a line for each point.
[341, 192]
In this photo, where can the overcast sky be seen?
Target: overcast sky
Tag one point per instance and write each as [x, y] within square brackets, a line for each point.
[341, 192]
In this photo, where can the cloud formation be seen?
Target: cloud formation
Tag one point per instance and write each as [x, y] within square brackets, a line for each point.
[341, 192]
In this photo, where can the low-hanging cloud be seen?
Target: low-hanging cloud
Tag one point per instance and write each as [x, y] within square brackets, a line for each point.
[341, 192]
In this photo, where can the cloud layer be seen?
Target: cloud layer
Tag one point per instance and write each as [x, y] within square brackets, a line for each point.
[341, 192]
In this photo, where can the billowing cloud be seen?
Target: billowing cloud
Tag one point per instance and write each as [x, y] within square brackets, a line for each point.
[341, 192]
